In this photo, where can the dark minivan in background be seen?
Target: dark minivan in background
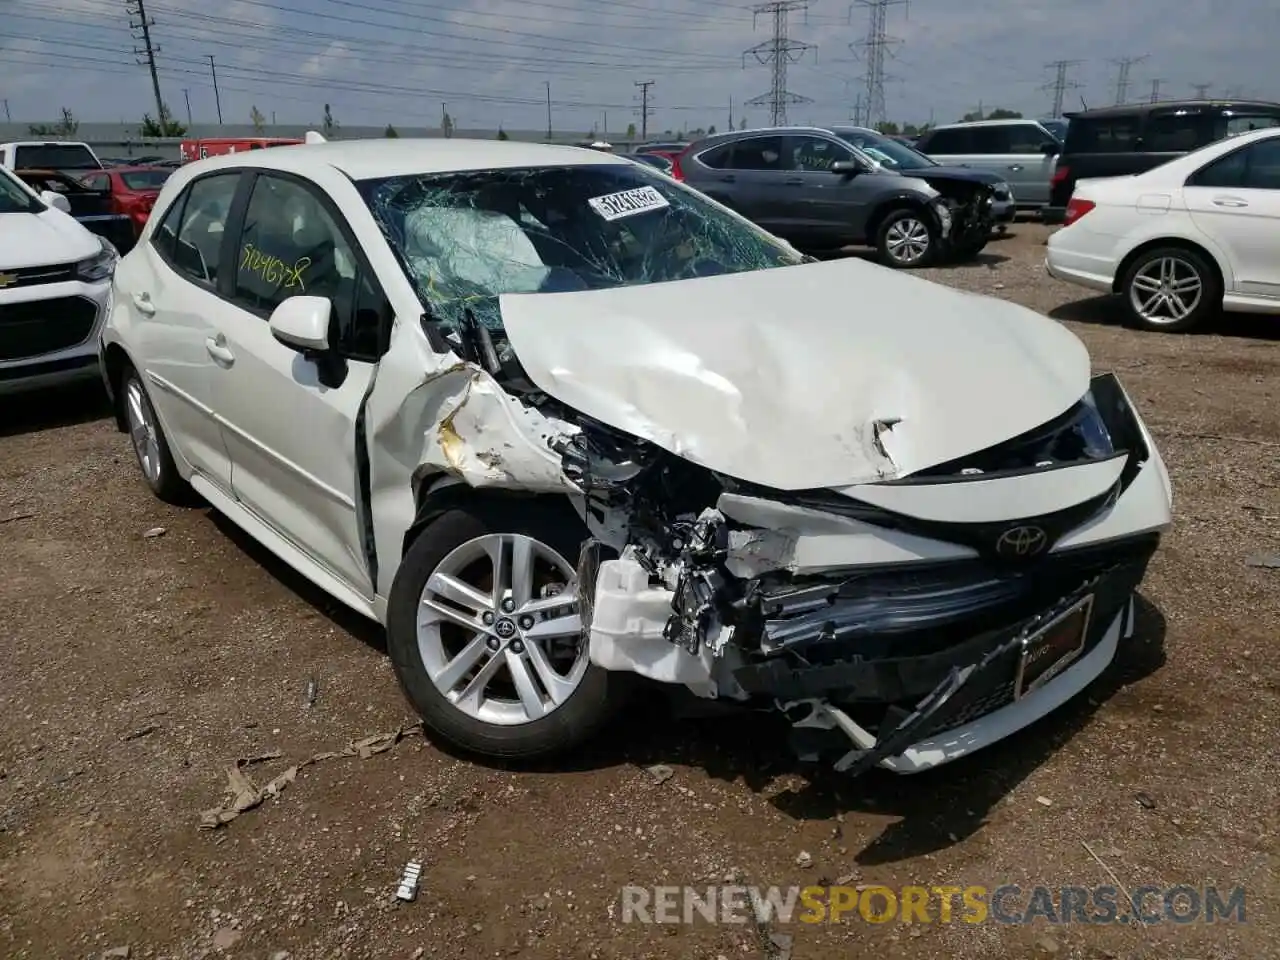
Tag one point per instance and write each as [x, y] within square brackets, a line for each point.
[1133, 138]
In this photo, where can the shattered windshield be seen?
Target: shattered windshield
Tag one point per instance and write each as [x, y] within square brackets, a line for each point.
[466, 238]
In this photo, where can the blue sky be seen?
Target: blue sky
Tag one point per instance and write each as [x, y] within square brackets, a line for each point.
[401, 61]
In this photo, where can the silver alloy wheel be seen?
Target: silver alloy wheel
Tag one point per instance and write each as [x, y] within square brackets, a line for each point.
[907, 240]
[1166, 290]
[143, 431]
[496, 636]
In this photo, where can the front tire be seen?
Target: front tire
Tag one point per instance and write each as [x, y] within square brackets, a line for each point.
[150, 445]
[968, 250]
[484, 634]
[1170, 289]
[906, 239]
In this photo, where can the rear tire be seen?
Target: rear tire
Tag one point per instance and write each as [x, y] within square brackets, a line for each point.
[906, 239]
[1170, 289]
[511, 681]
[150, 445]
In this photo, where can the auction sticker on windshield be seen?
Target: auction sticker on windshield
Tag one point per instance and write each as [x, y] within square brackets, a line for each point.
[627, 203]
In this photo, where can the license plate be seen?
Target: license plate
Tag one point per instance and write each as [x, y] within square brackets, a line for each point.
[1052, 648]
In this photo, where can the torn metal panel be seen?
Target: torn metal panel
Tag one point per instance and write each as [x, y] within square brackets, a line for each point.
[809, 376]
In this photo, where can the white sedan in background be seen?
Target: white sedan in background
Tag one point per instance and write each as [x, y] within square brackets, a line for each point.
[551, 417]
[1184, 240]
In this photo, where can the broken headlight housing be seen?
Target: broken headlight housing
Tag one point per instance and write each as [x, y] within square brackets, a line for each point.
[101, 265]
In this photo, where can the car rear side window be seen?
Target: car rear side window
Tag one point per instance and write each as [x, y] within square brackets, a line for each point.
[953, 140]
[290, 246]
[757, 153]
[1118, 134]
[1229, 126]
[1026, 138]
[717, 158]
[198, 245]
[165, 236]
[1255, 167]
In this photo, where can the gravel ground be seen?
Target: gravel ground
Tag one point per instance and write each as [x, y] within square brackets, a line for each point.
[137, 668]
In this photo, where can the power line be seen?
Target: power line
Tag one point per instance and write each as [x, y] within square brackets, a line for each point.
[1122, 76]
[645, 110]
[1156, 83]
[1060, 84]
[136, 8]
[876, 45]
[778, 52]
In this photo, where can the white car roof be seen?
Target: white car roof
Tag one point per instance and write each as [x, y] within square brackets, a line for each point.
[371, 159]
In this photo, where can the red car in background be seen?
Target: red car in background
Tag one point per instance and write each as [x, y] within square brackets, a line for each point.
[133, 190]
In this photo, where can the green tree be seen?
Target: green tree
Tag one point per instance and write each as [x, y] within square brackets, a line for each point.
[446, 125]
[1002, 114]
[910, 130]
[887, 127]
[66, 127]
[328, 125]
[742, 124]
[711, 130]
[390, 132]
[502, 134]
[631, 131]
[258, 120]
[166, 126]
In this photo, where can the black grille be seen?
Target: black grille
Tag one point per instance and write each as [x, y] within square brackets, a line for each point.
[34, 276]
[37, 327]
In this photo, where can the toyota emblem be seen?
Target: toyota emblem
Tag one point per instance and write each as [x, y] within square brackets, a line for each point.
[505, 629]
[1021, 543]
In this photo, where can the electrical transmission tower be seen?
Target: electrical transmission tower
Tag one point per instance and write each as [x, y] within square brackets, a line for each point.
[1122, 76]
[778, 52]
[877, 44]
[1202, 90]
[1156, 83]
[148, 52]
[646, 111]
[1060, 83]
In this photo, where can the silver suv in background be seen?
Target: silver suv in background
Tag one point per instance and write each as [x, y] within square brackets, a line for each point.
[1020, 151]
[818, 191]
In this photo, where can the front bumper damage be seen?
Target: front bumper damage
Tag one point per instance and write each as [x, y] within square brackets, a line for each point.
[886, 640]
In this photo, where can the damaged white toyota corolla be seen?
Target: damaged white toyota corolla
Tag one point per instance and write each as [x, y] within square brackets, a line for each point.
[552, 417]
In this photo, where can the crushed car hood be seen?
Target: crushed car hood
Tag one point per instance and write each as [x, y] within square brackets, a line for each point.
[36, 239]
[963, 174]
[818, 375]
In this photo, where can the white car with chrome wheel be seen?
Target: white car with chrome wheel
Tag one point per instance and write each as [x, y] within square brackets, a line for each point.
[1184, 240]
[554, 419]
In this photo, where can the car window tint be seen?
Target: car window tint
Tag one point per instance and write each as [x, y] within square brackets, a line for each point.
[163, 237]
[1229, 126]
[1263, 165]
[1228, 171]
[198, 246]
[817, 153]
[1172, 133]
[989, 140]
[1026, 138]
[290, 246]
[953, 140]
[1103, 134]
[757, 153]
[717, 157]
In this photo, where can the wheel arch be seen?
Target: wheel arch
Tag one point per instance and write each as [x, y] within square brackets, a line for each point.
[883, 208]
[115, 360]
[1181, 243]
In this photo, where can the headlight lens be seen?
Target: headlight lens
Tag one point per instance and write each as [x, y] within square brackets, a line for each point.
[100, 265]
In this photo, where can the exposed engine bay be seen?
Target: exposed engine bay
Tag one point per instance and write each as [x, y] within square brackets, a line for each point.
[737, 592]
[969, 207]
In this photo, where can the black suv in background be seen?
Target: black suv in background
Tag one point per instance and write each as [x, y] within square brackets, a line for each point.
[1116, 141]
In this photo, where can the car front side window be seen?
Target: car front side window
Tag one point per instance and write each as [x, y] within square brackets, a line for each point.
[198, 245]
[290, 246]
[817, 153]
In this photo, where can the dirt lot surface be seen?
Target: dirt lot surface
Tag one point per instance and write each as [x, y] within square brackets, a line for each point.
[137, 668]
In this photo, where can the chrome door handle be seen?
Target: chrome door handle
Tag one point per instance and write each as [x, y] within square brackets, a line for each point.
[218, 350]
[1015, 167]
[142, 301]
[1229, 202]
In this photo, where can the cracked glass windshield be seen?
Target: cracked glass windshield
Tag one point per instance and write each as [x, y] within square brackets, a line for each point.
[466, 238]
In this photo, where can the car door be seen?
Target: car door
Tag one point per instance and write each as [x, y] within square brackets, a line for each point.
[289, 420]
[754, 172]
[823, 206]
[1028, 169]
[1236, 201]
[168, 286]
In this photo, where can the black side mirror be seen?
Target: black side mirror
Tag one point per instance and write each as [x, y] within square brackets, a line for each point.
[846, 168]
[1051, 149]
